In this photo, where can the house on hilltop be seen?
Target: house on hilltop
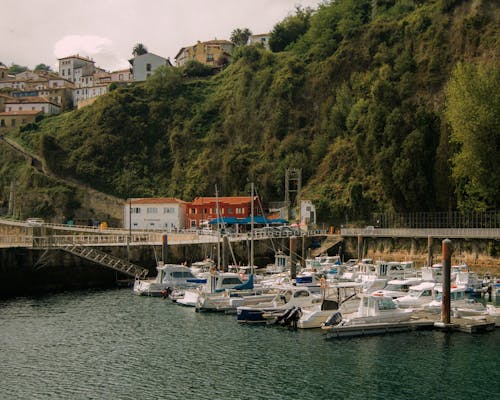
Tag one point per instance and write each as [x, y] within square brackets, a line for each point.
[262, 39]
[211, 53]
[144, 65]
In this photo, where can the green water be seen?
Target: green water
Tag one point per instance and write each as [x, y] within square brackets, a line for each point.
[114, 345]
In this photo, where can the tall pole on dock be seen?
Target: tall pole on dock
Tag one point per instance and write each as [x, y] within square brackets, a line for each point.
[251, 228]
[446, 298]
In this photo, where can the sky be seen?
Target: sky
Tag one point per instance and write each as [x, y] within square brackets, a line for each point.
[35, 31]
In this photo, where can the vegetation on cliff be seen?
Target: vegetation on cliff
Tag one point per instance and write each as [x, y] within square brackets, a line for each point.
[385, 106]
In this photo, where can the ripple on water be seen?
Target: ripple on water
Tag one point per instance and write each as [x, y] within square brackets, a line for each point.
[112, 344]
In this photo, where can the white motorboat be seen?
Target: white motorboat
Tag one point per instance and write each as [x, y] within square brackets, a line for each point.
[346, 301]
[293, 297]
[213, 293]
[398, 287]
[373, 308]
[418, 296]
[460, 305]
[169, 277]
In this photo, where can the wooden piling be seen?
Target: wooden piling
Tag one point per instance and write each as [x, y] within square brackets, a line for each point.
[164, 246]
[360, 248]
[293, 257]
[446, 298]
[430, 256]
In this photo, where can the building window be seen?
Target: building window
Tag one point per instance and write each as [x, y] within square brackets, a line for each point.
[230, 211]
[13, 122]
[168, 210]
[240, 210]
[2, 122]
[136, 210]
[152, 210]
[120, 77]
[192, 211]
[210, 58]
[148, 67]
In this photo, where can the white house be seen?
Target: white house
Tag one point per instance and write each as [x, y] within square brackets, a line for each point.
[307, 213]
[163, 213]
[32, 104]
[73, 68]
[144, 65]
[262, 38]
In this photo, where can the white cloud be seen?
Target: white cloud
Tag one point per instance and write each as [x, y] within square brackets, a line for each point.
[101, 49]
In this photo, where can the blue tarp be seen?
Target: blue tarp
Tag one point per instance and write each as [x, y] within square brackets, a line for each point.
[263, 220]
[224, 220]
[245, 221]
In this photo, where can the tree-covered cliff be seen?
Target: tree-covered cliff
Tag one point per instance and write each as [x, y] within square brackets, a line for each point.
[385, 105]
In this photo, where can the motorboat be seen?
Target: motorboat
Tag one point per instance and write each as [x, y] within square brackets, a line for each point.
[418, 296]
[398, 287]
[373, 308]
[293, 297]
[460, 305]
[341, 297]
[281, 263]
[169, 277]
[214, 294]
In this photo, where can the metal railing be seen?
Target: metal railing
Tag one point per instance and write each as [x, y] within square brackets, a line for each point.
[466, 233]
[137, 239]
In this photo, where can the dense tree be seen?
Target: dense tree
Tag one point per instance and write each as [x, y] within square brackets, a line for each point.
[239, 37]
[42, 67]
[290, 29]
[139, 49]
[16, 69]
[472, 109]
[356, 102]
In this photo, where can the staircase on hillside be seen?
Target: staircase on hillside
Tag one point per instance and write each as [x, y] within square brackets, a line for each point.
[327, 244]
[107, 260]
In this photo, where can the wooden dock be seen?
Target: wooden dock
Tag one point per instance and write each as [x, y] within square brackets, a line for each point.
[422, 321]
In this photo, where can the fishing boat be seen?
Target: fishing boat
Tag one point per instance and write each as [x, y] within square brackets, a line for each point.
[169, 277]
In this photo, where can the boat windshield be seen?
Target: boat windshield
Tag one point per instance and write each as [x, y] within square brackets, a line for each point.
[386, 303]
[181, 274]
[398, 287]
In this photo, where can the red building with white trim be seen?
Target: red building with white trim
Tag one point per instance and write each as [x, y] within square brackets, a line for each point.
[203, 209]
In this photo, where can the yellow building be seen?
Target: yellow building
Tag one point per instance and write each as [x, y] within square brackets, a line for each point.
[213, 53]
[13, 119]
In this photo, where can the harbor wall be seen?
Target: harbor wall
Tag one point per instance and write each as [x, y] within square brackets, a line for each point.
[26, 271]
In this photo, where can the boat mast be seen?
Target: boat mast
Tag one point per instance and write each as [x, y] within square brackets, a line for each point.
[218, 226]
[251, 229]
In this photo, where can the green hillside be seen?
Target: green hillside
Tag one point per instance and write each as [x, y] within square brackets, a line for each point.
[385, 105]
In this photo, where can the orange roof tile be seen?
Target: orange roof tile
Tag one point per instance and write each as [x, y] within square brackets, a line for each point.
[226, 200]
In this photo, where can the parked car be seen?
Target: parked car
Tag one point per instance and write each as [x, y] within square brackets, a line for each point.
[35, 221]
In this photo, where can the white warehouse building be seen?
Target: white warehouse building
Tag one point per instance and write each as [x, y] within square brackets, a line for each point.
[163, 213]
